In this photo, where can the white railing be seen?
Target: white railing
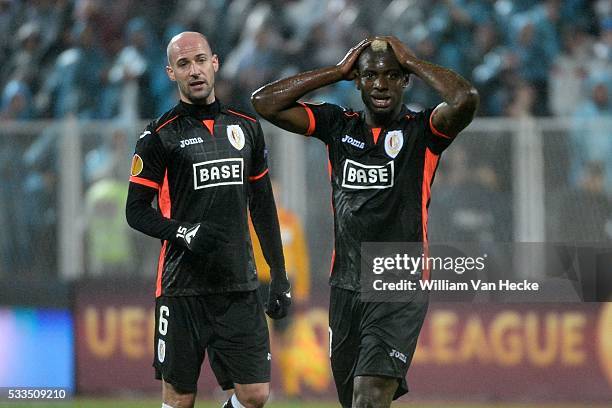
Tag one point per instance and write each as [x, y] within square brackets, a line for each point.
[292, 158]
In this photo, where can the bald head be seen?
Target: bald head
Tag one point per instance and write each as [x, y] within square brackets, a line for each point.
[185, 41]
[192, 65]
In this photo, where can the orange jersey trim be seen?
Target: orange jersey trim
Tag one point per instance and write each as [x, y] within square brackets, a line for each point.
[144, 182]
[375, 134]
[311, 120]
[165, 208]
[160, 269]
[164, 197]
[434, 130]
[429, 169]
[333, 261]
[165, 123]
[243, 115]
[257, 177]
[210, 125]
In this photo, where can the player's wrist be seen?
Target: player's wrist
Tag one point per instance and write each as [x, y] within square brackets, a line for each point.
[279, 278]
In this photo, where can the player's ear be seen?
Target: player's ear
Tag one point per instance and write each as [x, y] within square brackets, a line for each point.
[357, 82]
[215, 62]
[170, 73]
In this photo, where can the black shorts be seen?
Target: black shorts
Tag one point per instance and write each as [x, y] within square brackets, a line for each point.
[231, 326]
[372, 339]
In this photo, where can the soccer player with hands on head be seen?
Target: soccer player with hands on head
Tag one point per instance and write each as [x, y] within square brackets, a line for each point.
[383, 162]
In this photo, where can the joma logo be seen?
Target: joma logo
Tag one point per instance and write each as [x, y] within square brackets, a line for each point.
[193, 140]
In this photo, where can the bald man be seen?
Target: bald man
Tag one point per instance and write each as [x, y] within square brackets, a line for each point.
[206, 164]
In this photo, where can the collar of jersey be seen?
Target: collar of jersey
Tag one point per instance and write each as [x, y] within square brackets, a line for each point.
[200, 112]
[392, 123]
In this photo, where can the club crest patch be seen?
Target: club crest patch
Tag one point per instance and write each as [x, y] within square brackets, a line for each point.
[161, 350]
[137, 165]
[394, 141]
[235, 135]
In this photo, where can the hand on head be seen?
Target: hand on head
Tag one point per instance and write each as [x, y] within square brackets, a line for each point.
[404, 55]
[348, 64]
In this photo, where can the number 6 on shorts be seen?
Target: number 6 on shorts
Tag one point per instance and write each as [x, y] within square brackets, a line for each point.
[164, 312]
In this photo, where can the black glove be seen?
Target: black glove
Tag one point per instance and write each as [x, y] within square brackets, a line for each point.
[201, 238]
[279, 298]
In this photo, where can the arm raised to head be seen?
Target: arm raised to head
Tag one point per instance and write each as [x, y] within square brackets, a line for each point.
[277, 101]
[460, 97]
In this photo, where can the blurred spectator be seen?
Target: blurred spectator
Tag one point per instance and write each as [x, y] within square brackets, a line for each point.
[26, 57]
[109, 238]
[110, 159]
[110, 242]
[260, 40]
[602, 49]
[112, 15]
[16, 100]
[534, 59]
[590, 139]
[523, 101]
[568, 72]
[256, 58]
[73, 86]
[493, 76]
[51, 17]
[128, 95]
[6, 28]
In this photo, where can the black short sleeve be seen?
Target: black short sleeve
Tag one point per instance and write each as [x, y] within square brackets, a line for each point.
[148, 163]
[325, 120]
[260, 155]
[434, 139]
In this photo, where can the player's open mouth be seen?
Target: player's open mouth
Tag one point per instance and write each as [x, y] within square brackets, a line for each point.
[197, 84]
[381, 102]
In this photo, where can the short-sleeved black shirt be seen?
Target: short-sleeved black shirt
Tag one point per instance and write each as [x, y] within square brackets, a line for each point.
[380, 178]
[201, 167]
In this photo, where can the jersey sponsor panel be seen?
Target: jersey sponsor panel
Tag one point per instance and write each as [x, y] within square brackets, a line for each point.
[220, 172]
[360, 176]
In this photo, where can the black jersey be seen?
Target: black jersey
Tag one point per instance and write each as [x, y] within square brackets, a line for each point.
[201, 167]
[380, 178]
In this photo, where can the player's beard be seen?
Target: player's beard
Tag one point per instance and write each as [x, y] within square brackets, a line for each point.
[196, 99]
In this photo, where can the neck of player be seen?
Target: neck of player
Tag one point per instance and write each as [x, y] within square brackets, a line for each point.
[381, 120]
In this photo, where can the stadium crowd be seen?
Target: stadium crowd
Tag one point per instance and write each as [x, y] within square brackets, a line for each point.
[104, 59]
